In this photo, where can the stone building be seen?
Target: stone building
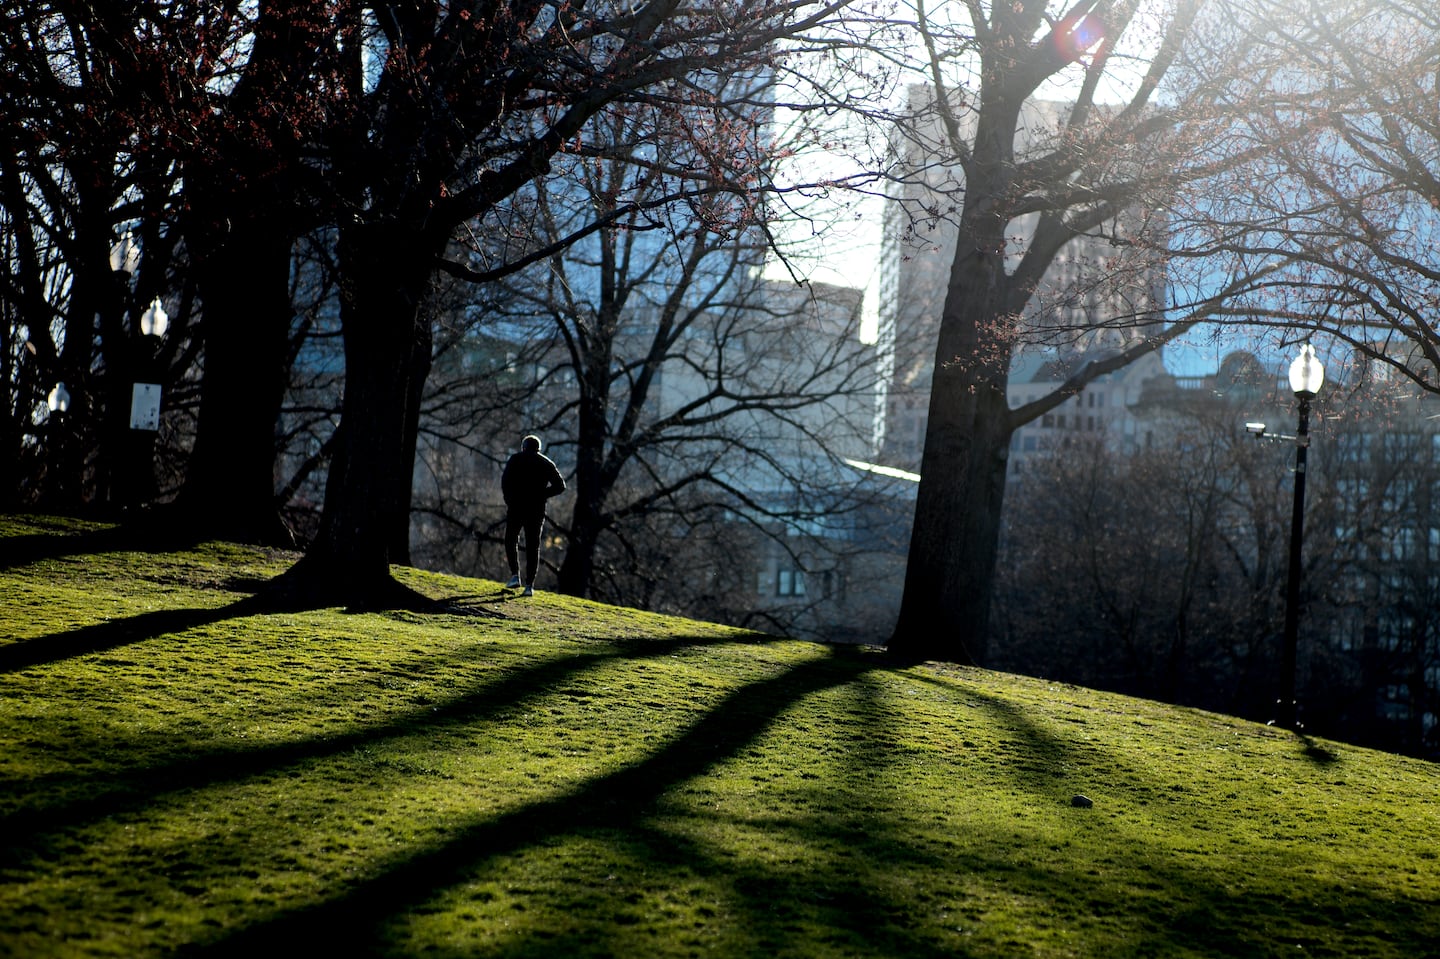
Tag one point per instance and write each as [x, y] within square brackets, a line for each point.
[1079, 311]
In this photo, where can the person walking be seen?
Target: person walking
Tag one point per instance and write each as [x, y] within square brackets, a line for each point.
[529, 479]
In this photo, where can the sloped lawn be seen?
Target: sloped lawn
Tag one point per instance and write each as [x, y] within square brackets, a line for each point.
[184, 772]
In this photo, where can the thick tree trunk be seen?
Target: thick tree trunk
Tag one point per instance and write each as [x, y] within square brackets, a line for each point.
[592, 488]
[229, 490]
[385, 279]
[593, 481]
[420, 372]
[248, 203]
[945, 609]
[578, 567]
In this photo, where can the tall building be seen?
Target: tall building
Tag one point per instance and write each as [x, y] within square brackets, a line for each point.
[1077, 312]
[1109, 410]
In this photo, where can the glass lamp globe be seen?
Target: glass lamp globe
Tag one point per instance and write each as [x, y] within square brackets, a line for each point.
[1306, 373]
[154, 321]
[59, 399]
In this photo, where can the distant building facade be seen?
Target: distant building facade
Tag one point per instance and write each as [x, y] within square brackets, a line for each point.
[1074, 315]
[1370, 625]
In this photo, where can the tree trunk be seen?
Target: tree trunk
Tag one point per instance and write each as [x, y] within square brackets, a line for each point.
[945, 609]
[229, 490]
[385, 276]
[578, 567]
[124, 478]
[420, 372]
[577, 571]
[592, 482]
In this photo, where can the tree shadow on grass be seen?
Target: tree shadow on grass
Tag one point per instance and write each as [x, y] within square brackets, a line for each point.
[1040, 758]
[858, 885]
[117, 633]
[1184, 906]
[854, 904]
[763, 907]
[120, 632]
[351, 921]
[27, 548]
[469, 604]
[110, 793]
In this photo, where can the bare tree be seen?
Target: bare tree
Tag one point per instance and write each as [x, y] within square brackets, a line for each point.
[460, 112]
[1357, 193]
[1160, 573]
[1159, 102]
[88, 199]
[396, 123]
[1155, 572]
[676, 381]
[260, 95]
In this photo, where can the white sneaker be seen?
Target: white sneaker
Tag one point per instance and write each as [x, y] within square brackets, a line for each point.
[513, 581]
[529, 591]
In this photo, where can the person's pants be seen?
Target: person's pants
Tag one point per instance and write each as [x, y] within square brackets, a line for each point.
[532, 523]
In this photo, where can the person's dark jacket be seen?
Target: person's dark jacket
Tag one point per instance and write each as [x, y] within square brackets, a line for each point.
[530, 478]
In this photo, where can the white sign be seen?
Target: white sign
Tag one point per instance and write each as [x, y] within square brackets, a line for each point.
[145, 407]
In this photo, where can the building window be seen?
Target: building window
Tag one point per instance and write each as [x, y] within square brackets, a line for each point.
[1353, 492]
[791, 582]
[1399, 495]
[1402, 447]
[1394, 631]
[1348, 630]
[1400, 545]
[1353, 447]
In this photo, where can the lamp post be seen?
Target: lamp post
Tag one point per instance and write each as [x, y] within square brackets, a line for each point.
[145, 395]
[58, 403]
[1306, 378]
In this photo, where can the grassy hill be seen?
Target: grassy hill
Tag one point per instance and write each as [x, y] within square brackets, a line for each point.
[183, 772]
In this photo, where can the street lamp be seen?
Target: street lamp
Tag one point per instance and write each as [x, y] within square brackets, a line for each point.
[1306, 378]
[58, 402]
[138, 472]
[59, 399]
[125, 256]
[145, 396]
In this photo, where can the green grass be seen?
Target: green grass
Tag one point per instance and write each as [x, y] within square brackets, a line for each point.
[183, 773]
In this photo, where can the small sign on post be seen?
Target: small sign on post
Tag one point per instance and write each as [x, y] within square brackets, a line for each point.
[145, 407]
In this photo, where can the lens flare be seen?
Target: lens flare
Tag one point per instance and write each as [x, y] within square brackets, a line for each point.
[1084, 36]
